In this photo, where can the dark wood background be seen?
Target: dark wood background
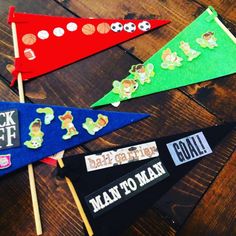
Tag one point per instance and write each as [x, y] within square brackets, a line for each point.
[202, 203]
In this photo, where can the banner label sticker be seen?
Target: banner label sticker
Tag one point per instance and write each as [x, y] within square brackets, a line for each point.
[121, 156]
[189, 148]
[5, 161]
[9, 129]
[125, 187]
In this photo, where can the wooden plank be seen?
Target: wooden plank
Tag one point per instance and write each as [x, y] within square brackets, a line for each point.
[172, 112]
[216, 209]
[217, 96]
[181, 199]
[226, 8]
[56, 203]
[45, 90]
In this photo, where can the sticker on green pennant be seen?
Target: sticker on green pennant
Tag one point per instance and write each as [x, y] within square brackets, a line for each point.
[208, 40]
[188, 51]
[67, 123]
[94, 126]
[170, 60]
[49, 114]
[142, 73]
[125, 88]
[36, 135]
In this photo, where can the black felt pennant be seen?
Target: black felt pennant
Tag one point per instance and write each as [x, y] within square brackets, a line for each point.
[112, 198]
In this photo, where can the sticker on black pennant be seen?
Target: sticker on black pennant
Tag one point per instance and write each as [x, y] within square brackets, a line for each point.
[121, 156]
[9, 129]
[125, 187]
[189, 148]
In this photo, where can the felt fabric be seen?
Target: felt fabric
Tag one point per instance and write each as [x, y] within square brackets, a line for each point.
[50, 42]
[194, 65]
[45, 130]
[118, 217]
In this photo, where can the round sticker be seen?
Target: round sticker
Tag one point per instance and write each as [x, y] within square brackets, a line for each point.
[43, 34]
[29, 39]
[71, 26]
[88, 29]
[58, 32]
[103, 28]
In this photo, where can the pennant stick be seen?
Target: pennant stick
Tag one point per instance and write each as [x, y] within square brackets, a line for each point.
[222, 26]
[77, 202]
[30, 166]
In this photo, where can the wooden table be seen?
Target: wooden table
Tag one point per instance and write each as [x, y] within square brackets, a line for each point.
[202, 203]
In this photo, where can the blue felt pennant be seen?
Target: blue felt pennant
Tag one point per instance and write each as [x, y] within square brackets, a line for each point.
[30, 132]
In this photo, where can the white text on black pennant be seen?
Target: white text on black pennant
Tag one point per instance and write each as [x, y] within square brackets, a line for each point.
[126, 187]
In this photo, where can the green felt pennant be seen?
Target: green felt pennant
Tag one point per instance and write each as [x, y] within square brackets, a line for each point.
[204, 50]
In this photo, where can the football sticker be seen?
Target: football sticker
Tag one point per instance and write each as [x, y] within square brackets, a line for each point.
[130, 27]
[116, 27]
[144, 26]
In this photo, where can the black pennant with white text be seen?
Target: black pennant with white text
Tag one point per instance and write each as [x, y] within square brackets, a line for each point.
[113, 187]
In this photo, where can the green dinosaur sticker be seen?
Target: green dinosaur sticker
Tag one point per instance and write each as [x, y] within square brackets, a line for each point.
[94, 126]
[170, 60]
[67, 123]
[142, 73]
[188, 51]
[49, 114]
[125, 88]
[36, 135]
[207, 40]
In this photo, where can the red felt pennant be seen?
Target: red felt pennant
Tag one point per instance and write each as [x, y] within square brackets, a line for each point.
[49, 42]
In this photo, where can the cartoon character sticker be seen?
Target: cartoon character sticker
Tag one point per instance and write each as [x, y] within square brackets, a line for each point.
[125, 88]
[170, 60]
[207, 40]
[94, 126]
[142, 73]
[188, 51]
[5, 161]
[67, 123]
[36, 135]
[49, 114]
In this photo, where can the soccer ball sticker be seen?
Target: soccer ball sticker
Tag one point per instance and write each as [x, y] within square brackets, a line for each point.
[130, 27]
[116, 27]
[144, 26]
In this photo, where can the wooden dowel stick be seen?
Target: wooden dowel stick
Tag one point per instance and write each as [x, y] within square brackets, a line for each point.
[77, 202]
[222, 26]
[30, 166]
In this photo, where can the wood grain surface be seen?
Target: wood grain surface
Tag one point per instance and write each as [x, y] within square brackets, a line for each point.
[179, 110]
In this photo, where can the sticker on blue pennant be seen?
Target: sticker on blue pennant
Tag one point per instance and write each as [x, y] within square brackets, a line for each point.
[9, 129]
[189, 148]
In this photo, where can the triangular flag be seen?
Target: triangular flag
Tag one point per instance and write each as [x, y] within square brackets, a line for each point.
[204, 50]
[46, 43]
[30, 132]
[112, 188]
